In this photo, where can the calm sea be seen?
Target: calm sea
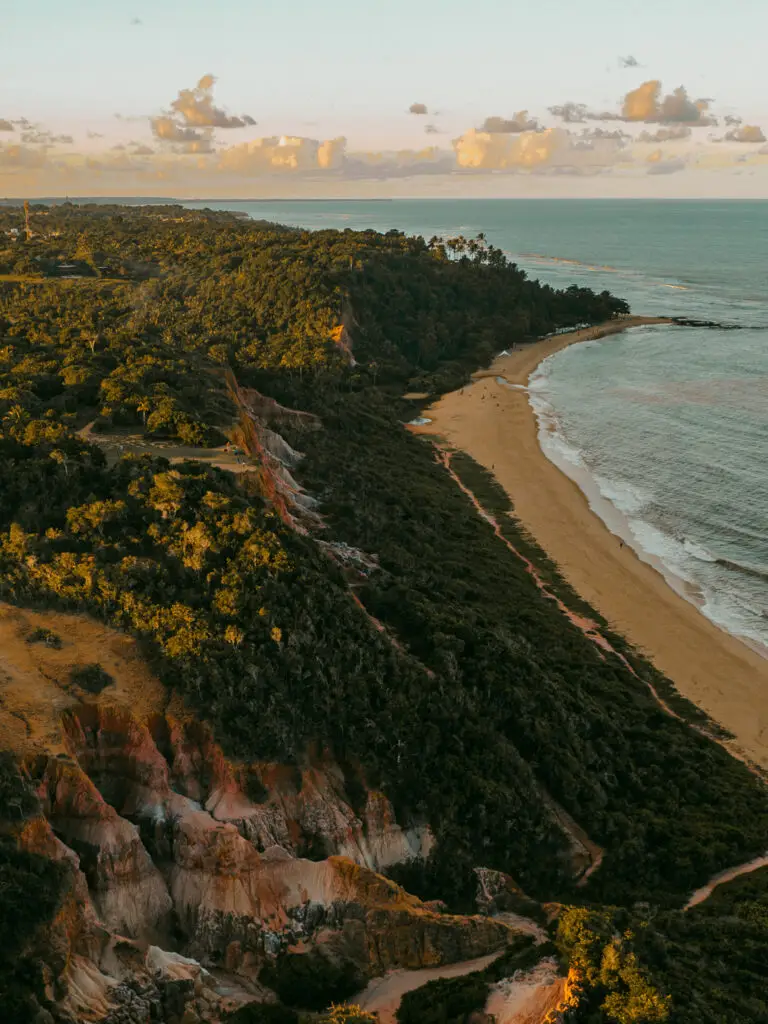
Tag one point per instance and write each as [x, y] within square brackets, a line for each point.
[665, 429]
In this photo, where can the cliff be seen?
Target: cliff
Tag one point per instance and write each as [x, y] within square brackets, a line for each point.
[179, 862]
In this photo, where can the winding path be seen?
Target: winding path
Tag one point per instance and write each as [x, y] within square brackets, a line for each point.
[725, 876]
[591, 631]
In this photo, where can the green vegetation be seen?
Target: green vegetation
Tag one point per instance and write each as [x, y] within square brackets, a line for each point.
[707, 965]
[479, 702]
[92, 678]
[445, 1000]
[454, 1000]
[45, 636]
[311, 981]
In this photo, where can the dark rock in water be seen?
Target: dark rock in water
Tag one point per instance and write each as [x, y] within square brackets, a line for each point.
[682, 321]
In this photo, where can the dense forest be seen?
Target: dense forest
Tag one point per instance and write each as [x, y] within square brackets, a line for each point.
[475, 706]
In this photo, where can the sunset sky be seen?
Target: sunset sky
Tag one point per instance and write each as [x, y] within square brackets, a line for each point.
[396, 98]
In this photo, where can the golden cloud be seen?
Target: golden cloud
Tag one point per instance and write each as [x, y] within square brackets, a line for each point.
[552, 148]
[746, 133]
[645, 104]
[196, 108]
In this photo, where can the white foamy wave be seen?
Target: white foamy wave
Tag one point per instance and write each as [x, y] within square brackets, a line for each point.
[628, 498]
[727, 611]
[663, 546]
[698, 551]
[539, 379]
[558, 448]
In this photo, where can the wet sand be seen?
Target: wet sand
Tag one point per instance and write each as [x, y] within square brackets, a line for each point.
[497, 427]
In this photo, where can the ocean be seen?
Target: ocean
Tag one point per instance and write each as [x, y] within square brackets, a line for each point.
[664, 428]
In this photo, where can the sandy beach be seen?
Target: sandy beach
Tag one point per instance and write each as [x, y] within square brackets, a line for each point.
[497, 427]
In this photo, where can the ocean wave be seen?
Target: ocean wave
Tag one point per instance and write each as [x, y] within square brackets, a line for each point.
[670, 551]
[749, 570]
[551, 438]
[725, 609]
[699, 551]
[628, 498]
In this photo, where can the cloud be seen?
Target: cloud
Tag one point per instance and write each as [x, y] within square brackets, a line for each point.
[519, 123]
[136, 21]
[591, 134]
[571, 113]
[645, 104]
[247, 119]
[666, 166]
[6, 126]
[578, 113]
[184, 140]
[139, 149]
[402, 163]
[671, 134]
[553, 149]
[287, 153]
[732, 121]
[431, 129]
[189, 123]
[94, 135]
[121, 163]
[330, 154]
[746, 133]
[21, 158]
[299, 156]
[629, 62]
[196, 108]
[36, 136]
[418, 108]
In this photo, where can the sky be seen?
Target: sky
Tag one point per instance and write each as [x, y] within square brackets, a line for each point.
[254, 98]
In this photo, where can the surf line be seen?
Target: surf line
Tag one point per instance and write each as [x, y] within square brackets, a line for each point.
[589, 628]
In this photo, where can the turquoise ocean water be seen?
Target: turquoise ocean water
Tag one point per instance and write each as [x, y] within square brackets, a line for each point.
[664, 428]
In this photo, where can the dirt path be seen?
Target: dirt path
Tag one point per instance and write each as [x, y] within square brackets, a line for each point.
[590, 629]
[119, 443]
[383, 995]
[725, 876]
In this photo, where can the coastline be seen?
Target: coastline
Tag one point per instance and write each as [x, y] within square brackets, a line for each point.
[495, 424]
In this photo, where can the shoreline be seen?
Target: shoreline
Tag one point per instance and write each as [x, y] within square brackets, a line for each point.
[496, 425]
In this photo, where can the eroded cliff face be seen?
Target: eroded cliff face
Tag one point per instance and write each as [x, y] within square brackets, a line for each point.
[175, 852]
[186, 872]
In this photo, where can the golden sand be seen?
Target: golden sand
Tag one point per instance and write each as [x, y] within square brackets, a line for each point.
[497, 427]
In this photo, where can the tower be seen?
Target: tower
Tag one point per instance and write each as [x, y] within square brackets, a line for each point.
[27, 228]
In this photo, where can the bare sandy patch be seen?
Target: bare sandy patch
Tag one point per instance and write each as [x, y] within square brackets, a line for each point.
[35, 685]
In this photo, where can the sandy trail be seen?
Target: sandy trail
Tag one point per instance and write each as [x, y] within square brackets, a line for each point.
[495, 424]
[725, 876]
[383, 995]
[117, 444]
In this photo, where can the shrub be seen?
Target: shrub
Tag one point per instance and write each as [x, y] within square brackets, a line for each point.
[45, 636]
[263, 1013]
[92, 678]
[311, 981]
